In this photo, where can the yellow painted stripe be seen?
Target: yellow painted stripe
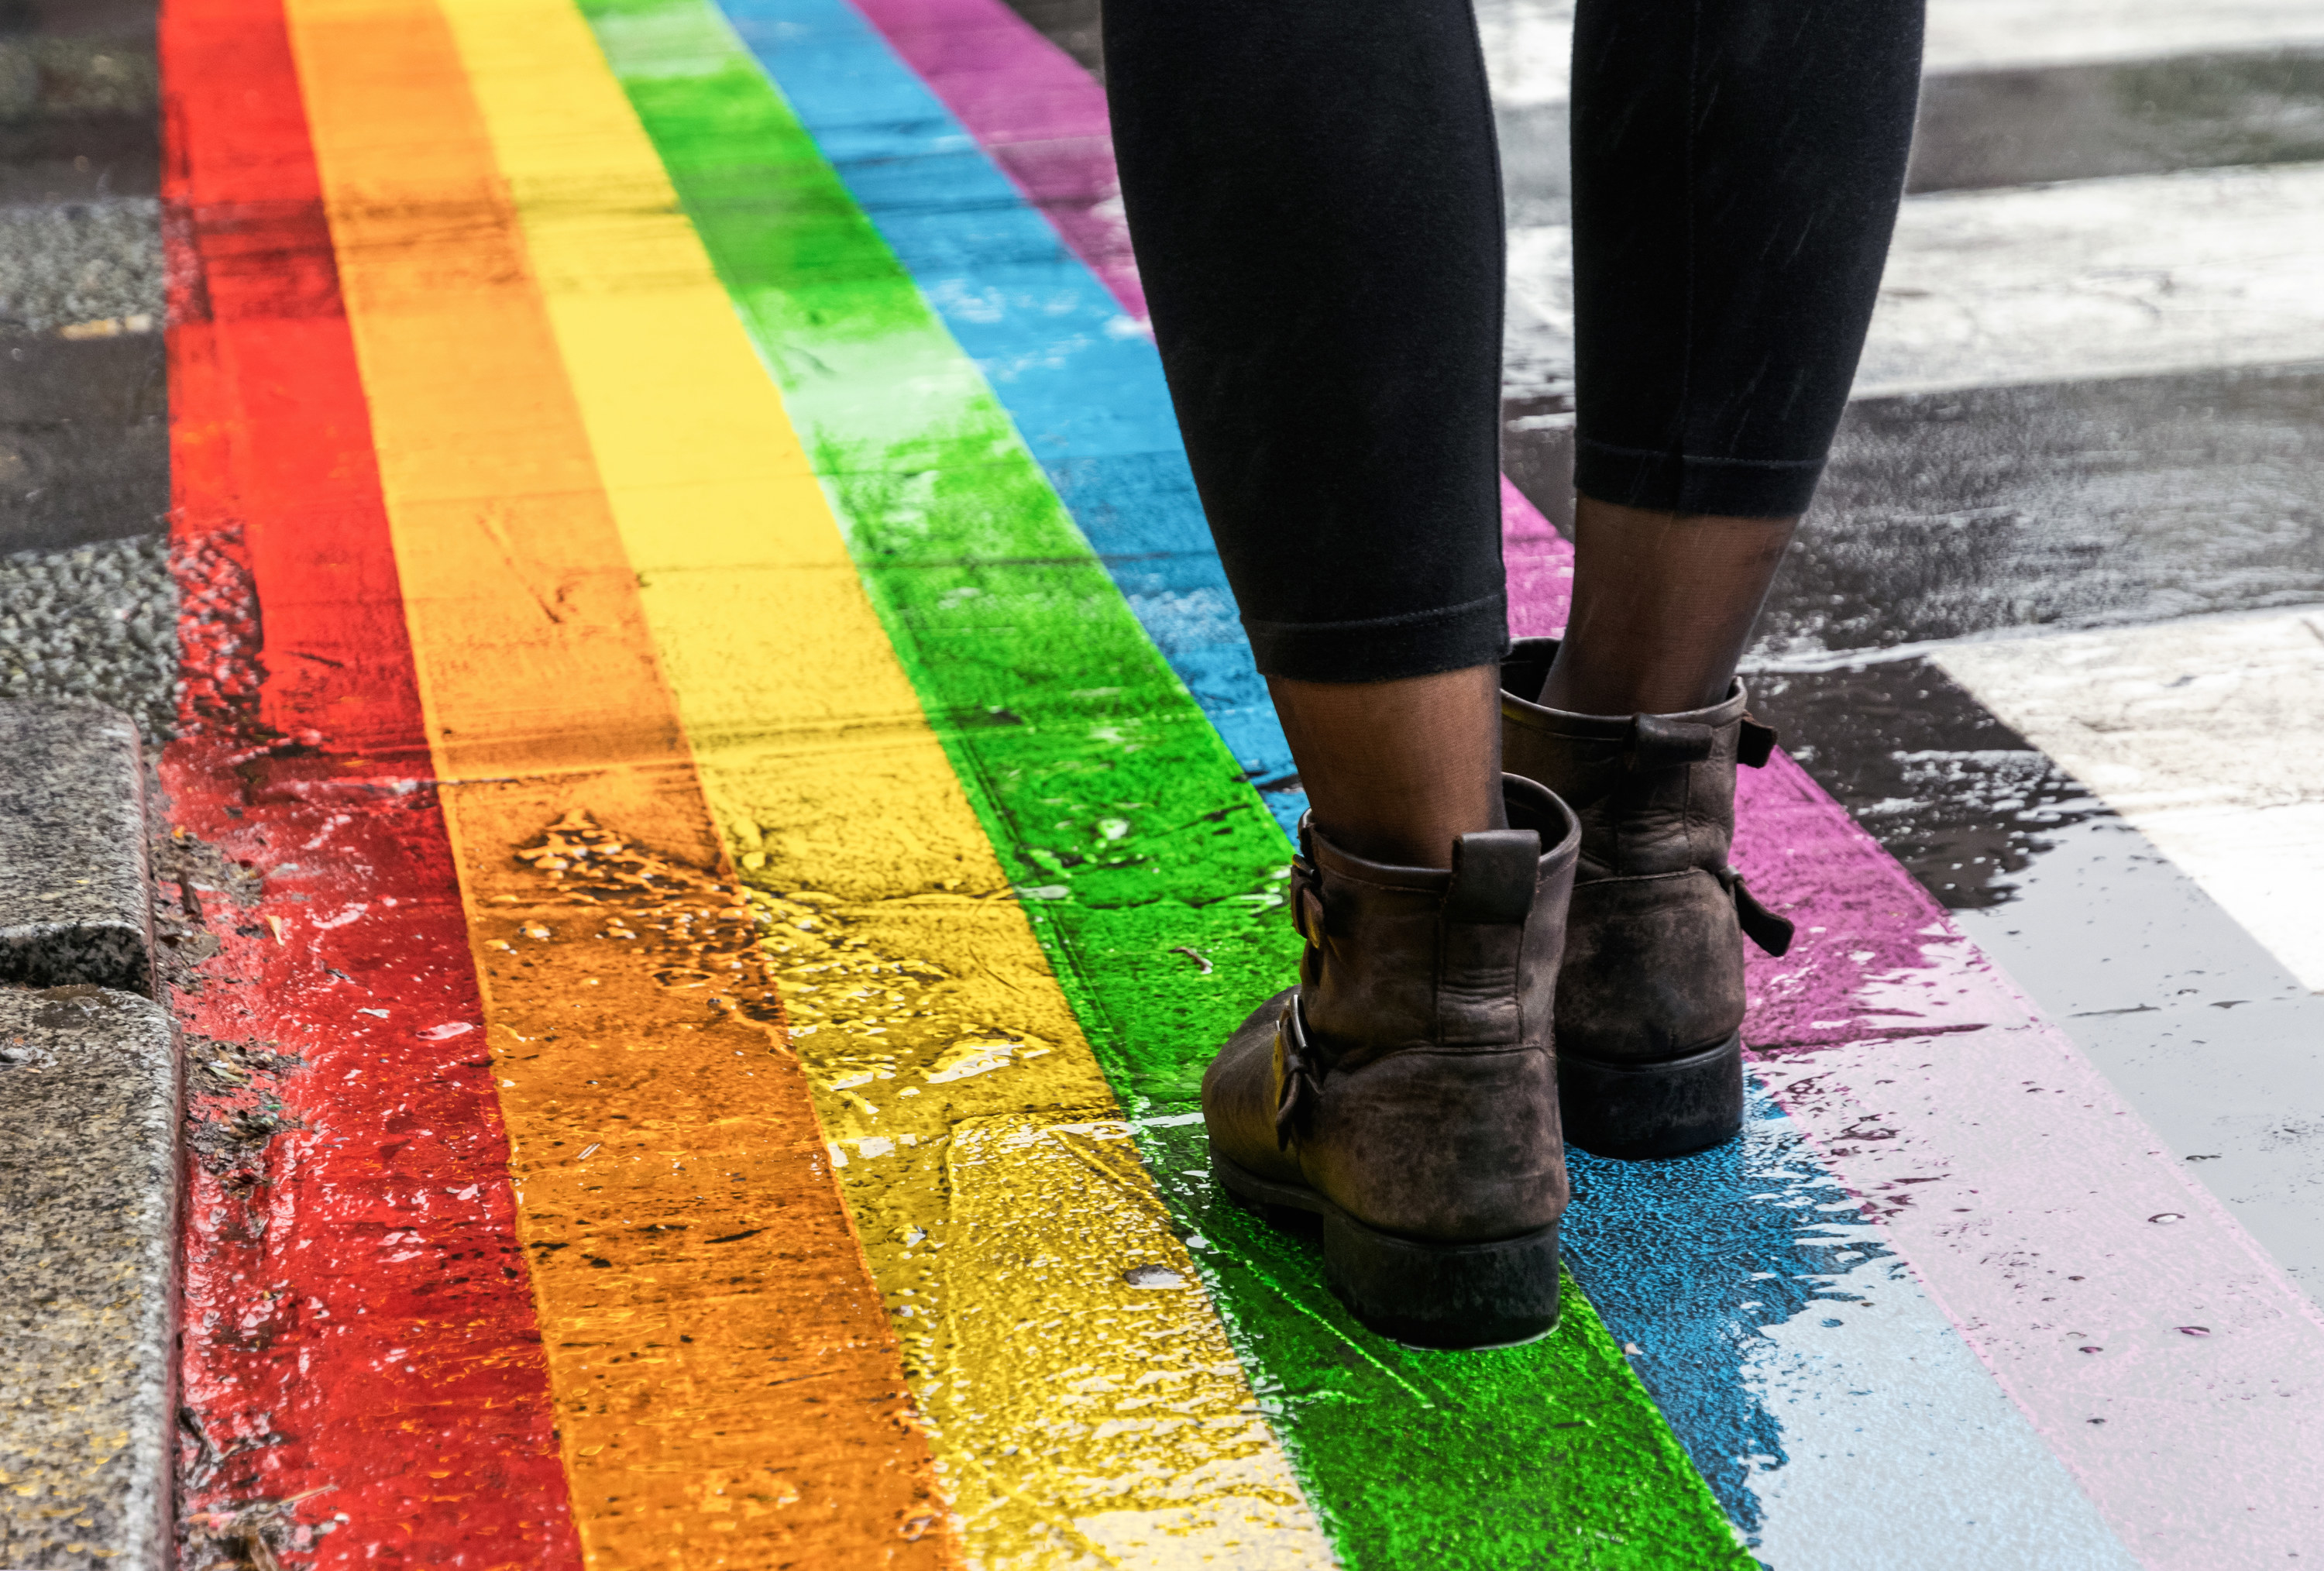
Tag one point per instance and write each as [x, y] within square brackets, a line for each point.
[728, 1390]
[1073, 1413]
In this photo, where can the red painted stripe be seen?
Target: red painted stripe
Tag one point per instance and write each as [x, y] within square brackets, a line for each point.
[359, 1321]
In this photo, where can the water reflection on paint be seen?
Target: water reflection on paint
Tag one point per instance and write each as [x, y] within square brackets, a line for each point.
[1721, 1269]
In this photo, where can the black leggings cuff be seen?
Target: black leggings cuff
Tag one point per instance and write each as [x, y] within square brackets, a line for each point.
[1671, 482]
[1385, 649]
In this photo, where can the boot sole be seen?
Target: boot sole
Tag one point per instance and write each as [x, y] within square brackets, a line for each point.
[1463, 1295]
[1635, 1111]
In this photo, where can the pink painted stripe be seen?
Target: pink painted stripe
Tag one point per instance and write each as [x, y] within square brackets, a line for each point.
[2153, 1345]
[1035, 111]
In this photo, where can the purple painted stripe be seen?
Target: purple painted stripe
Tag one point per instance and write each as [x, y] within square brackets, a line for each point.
[1035, 111]
[1540, 566]
[2155, 1347]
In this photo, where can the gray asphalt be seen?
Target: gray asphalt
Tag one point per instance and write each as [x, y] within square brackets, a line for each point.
[84, 266]
[97, 621]
[87, 609]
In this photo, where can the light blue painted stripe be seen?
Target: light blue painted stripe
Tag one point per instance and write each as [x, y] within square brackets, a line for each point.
[1823, 1396]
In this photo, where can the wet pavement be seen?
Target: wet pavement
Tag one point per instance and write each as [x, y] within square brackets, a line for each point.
[715, 804]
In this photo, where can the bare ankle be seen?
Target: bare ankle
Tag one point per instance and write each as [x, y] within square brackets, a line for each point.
[1663, 605]
[1398, 771]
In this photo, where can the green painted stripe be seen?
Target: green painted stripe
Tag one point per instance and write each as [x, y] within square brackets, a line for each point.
[1133, 838]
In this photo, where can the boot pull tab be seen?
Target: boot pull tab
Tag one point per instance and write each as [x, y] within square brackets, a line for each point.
[1658, 740]
[1755, 744]
[1493, 876]
[1763, 927]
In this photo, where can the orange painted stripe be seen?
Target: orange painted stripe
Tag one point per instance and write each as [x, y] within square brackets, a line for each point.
[728, 1390]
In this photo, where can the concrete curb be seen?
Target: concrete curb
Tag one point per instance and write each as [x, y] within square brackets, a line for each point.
[74, 900]
[91, 1166]
[89, 1190]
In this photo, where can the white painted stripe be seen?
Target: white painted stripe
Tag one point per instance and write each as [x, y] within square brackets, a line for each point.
[1528, 49]
[2004, 34]
[2146, 274]
[2187, 998]
[2205, 735]
[2141, 275]
[1528, 43]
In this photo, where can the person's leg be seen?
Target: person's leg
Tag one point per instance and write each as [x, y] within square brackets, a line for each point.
[1662, 604]
[1396, 771]
[1314, 196]
[1737, 166]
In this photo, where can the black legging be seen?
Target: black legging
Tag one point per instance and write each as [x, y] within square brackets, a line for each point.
[1315, 195]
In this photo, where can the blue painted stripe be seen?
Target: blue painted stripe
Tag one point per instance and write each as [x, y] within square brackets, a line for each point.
[1813, 1383]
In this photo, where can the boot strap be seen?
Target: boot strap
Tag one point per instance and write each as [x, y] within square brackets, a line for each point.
[1298, 1073]
[1306, 896]
[1763, 927]
[1658, 742]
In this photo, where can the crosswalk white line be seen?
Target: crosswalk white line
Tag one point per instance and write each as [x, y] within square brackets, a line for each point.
[1528, 43]
[2142, 274]
[2138, 274]
[2010, 34]
[2205, 734]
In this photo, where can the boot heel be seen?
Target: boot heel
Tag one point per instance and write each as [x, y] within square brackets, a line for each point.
[1445, 1295]
[1653, 1110]
[1429, 1295]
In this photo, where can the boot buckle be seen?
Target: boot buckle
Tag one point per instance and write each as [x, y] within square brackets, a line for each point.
[1298, 1073]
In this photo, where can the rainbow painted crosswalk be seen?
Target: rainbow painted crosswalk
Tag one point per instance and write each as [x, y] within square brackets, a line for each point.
[765, 811]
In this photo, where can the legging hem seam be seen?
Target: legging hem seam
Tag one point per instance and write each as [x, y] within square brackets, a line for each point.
[1406, 619]
[1665, 456]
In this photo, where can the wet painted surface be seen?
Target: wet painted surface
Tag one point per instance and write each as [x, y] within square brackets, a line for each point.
[363, 1376]
[974, 269]
[761, 621]
[652, 1131]
[1149, 864]
[1073, 1406]
[2207, 1035]
[2198, 733]
[2033, 1203]
[1056, 332]
[2189, 732]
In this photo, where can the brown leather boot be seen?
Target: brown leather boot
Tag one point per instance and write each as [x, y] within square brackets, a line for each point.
[1405, 1091]
[1650, 995]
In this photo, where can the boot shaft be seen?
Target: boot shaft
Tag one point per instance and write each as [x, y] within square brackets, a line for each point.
[1655, 793]
[1652, 969]
[1401, 957]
